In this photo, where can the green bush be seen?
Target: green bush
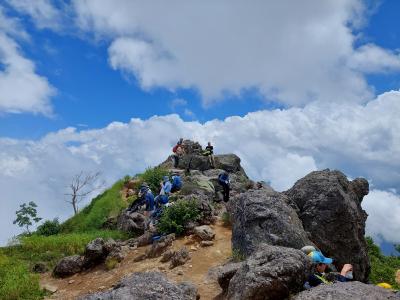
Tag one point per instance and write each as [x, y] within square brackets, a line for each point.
[16, 282]
[92, 217]
[153, 177]
[226, 219]
[126, 179]
[383, 268]
[49, 228]
[174, 218]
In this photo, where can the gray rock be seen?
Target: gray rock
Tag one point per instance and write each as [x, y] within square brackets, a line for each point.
[263, 216]
[204, 232]
[330, 209]
[144, 239]
[347, 290]
[149, 285]
[160, 246]
[226, 272]
[68, 266]
[271, 273]
[109, 245]
[206, 243]
[95, 253]
[228, 162]
[39, 267]
[179, 258]
[132, 222]
[167, 256]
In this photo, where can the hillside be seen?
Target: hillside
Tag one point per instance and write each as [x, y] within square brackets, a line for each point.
[197, 233]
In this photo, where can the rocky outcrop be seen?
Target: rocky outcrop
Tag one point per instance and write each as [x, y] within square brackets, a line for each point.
[263, 216]
[160, 246]
[132, 222]
[330, 210]
[68, 266]
[179, 258]
[226, 272]
[95, 253]
[271, 273]
[348, 290]
[204, 232]
[150, 285]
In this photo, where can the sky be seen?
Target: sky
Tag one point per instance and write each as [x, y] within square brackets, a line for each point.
[109, 86]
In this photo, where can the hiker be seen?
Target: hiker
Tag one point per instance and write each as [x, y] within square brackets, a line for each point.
[320, 264]
[209, 152]
[177, 152]
[145, 196]
[223, 179]
[176, 183]
[166, 186]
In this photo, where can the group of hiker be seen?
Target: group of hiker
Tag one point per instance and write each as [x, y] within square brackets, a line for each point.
[178, 151]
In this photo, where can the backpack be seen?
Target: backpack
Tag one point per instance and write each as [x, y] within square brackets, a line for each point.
[175, 148]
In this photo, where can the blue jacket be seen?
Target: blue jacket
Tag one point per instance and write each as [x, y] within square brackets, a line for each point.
[176, 182]
[167, 186]
[223, 178]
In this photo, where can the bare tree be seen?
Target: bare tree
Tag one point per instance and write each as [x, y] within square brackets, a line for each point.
[82, 185]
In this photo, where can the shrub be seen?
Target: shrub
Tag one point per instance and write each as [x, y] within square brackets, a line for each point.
[226, 219]
[49, 228]
[16, 282]
[237, 255]
[383, 268]
[174, 218]
[153, 177]
[126, 179]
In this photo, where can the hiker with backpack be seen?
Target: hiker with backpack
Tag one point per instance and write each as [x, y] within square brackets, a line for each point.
[176, 183]
[209, 152]
[145, 196]
[166, 187]
[223, 180]
[177, 152]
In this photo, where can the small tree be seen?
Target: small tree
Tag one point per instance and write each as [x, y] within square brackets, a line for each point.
[82, 185]
[26, 215]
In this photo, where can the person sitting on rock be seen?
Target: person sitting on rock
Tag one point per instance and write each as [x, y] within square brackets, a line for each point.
[209, 152]
[223, 179]
[320, 264]
[177, 152]
[166, 186]
[145, 196]
[176, 183]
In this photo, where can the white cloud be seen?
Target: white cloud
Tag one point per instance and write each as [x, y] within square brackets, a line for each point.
[42, 12]
[178, 102]
[291, 51]
[383, 221]
[278, 146]
[21, 88]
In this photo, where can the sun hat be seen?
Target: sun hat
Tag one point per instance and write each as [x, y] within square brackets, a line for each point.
[318, 257]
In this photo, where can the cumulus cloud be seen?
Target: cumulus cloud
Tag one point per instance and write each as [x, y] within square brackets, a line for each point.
[278, 146]
[21, 88]
[293, 52]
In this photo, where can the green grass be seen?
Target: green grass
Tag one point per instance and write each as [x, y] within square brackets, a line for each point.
[16, 282]
[153, 177]
[383, 268]
[93, 216]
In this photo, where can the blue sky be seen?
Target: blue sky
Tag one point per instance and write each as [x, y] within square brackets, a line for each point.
[290, 87]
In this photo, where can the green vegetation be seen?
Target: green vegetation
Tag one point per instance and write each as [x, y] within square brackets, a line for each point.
[93, 216]
[383, 268]
[175, 217]
[49, 228]
[237, 255]
[16, 282]
[26, 215]
[153, 177]
[226, 219]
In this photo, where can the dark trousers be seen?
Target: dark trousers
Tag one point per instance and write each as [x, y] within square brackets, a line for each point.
[225, 192]
[175, 157]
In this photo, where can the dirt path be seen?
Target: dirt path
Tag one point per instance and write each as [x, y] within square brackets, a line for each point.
[195, 271]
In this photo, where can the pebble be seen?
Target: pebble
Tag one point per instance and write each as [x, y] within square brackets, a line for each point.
[71, 281]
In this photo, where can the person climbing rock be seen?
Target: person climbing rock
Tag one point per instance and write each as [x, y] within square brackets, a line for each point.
[176, 182]
[209, 152]
[177, 152]
[145, 196]
[166, 186]
[319, 275]
[223, 179]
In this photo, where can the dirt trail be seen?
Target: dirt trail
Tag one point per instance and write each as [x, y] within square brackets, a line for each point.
[195, 271]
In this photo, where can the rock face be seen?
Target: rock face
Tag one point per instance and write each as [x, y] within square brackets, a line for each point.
[330, 209]
[348, 290]
[68, 266]
[270, 273]
[225, 274]
[263, 216]
[132, 222]
[151, 285]
[204, 232]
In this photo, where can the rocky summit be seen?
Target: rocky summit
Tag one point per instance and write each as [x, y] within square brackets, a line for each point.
[269, 228]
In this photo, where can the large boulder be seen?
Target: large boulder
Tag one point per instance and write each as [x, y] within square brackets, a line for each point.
[132, 222]
[228, 162]
[347, 290]
[263, 216]
[272, 273]
[95, 253]
[160, 246]
[68, 266]
[330, 209]
[149, 285]
[204, 232]
[226, 272]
